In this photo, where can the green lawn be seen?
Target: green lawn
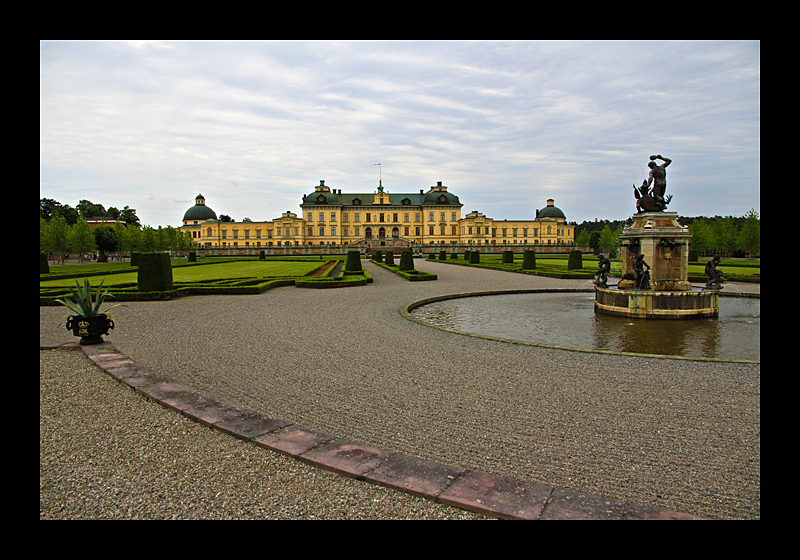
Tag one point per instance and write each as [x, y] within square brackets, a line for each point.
[194, 273]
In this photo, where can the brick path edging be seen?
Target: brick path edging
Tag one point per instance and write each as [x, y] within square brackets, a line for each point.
[487, 494]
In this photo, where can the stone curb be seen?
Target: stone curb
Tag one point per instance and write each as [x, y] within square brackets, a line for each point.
[487, 494]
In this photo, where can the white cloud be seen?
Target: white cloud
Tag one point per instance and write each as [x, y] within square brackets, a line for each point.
[151, 124]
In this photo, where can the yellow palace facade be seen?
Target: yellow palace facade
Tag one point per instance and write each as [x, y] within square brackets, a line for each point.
[330, 219]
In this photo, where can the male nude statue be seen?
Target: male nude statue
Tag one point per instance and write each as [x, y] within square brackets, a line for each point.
[658, 177]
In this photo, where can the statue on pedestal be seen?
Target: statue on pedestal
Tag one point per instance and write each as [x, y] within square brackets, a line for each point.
[655, 199]
[601, 276]
[642, 281]
[714, 274]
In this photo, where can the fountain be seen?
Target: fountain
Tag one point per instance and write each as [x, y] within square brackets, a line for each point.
[659, 289]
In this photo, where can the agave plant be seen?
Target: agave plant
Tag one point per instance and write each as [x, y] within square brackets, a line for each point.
[85, 305]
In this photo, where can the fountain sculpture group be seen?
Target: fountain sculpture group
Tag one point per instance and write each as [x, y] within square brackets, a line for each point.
[658, 289]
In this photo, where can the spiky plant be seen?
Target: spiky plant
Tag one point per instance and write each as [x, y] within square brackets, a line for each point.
[85, 304]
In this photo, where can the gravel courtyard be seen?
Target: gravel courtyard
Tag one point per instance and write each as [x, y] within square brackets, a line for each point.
[676, 434]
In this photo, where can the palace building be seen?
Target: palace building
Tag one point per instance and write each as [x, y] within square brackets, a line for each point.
[332, 219]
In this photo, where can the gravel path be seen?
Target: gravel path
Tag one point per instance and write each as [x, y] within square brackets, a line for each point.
[674, 434]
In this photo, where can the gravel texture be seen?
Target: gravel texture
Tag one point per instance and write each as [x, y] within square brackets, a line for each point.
[107, 453]
[674, 434]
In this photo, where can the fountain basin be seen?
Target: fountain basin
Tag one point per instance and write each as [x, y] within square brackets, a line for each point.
[566, 319]
[657, 304]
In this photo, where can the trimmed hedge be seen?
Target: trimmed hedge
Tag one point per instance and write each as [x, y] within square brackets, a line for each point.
[406, 261]
[155, 272]
[528, 260]
[575, 260]
[474, 257]
[353, 263]
[44, 267]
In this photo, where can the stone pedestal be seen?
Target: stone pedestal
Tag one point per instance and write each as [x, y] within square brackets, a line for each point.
[665, 245]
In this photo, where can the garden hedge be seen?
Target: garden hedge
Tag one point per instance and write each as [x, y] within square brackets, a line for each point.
[155, 272]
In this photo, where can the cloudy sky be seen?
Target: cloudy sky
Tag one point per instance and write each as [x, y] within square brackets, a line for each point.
[505, 125]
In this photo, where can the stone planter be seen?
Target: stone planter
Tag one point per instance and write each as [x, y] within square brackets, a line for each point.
[90, 329]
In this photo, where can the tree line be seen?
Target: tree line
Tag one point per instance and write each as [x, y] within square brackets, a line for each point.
[64, 230]
[734, 236]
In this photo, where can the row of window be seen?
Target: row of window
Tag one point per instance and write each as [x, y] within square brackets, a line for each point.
[514, 231]
[468, 230]
[257, 244]
[382, 216]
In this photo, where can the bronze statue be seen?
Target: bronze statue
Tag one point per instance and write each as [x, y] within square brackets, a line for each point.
[601, 276]
[642, 281]
[714, 274]
[653, 200]
[658, 176]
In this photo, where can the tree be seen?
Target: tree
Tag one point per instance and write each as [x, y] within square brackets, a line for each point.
[82, 239]
[583, 239]
[702, 236]
[88, 209]
[107, 241]
[725, 234]
[609, 241]
[56, 238]
[147, 240]
[130, 238]
[128, 215]
[594, 241]
[47, 207]
[750, 234]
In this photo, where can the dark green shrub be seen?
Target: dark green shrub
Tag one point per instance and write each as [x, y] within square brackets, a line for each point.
[353, 262]
[378, 256]
[261, 255]
[193, 257]
[44, 268]
[442, 255]
[406, 261]
[694, 255]
[389, 258]
[528, 260]
[466, 254]
[453, 256]
[508, 257]
[474, 257]
[155, 272]
[135, 259]
[575, 260]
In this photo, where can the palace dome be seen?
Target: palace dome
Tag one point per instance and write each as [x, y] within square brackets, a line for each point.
[551, 211]
[199, 212]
